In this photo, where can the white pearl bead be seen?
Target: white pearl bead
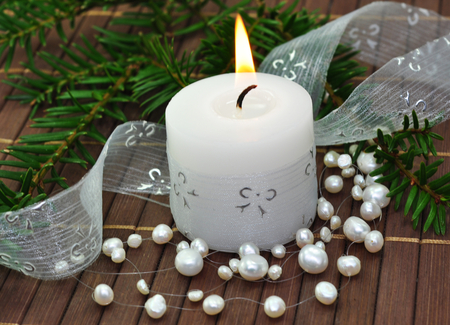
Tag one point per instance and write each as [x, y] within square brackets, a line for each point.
[278, 251]
[110, 244]
[356, 229]
[371, 142]
[134, 240]
[61, 267]
[248, 249]
[182, 245]
[189, 262]
[274, 307]
[253, 267]
[370, 211]
[156, 306]
[376, 193]
[325, 234]
[349, 265]
[320, 244]
[321, 199]
[371, 180]
[162, 234]
[348, 172]
[142, 286]
[195, 295]
[344, 161]
[234, 265]
[352, 149]
[77, 259]
[325, 210]
[374, 241]
[313, 259]
[334, 183]
[367, 163]
[357, 193]
[335, 222]
[201, 246]
[275, 272]
[213, 304]
[331, 159]
[304, 236]
[118, 255]
[359, 180]
[225, 272]
[103, 294]
[326, 292]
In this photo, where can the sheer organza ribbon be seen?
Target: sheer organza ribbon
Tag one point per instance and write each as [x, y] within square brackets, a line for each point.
[63, 235]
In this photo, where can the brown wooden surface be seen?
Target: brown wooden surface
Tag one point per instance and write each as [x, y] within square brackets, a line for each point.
[406, 283]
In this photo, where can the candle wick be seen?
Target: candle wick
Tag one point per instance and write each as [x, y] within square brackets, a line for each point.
[242, 95]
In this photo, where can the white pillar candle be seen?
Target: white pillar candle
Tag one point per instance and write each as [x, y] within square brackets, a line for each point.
[242, 175]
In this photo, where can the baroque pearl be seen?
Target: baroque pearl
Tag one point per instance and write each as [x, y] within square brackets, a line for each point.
[213, 304]
[234, 265]
[356, 229]
[357, 193]
[142, 286]
[349, 265]
[225, 272]
[182, 245]
[275, 272]
[334, 183]
[162, 234]
[189, 262]
[248, 249]
[326, 292]
[325, 234]
[320, 244]
[274, 307]
[134, 240]
[321, 199]
[156, 306]
[253, 267]
[348, 172]
[118, 255]
[111, 243]
[103, 294]
[61, 267]
[352, 149]
[278, 251]
[376, 193]
[195, 295]
[335, 222]
[331, 159]
[359, 180]
[370, 211]
[303, 237]
[313, 259]
[367, 163]
[374, 241]
[201, 246]
[325, 210]
[344, 161]
[371, 180]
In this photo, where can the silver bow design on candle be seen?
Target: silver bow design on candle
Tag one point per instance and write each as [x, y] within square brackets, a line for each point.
[179, 189]
[247, 193]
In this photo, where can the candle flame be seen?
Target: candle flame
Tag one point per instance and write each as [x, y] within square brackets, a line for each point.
[244, 59]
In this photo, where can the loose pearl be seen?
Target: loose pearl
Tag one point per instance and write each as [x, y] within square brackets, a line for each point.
[61, 267]
[325, 234]
[195, 295]
[357, 193]
[134, 240]
[110, 244]
[234, 265]
[225, 272]
[156, 306]
[326, 292]
[359, 180]
[275, 272]
[313, 259]
[374, 241]
[370, 211]
[331, 159]
[142, 286]
[334, 183]
[320, 244]
[278, 251]
[304, 236]
[253, 267]
[371, 180]
[118, 255]
[356, 229]
[348, 172]
[248, 249]
[352, 149]
[321, 199]
[213, 304]
[201, 246]
[367, 162]
[162, 234]
[189, 262]
[103, 294]
[274, 307]
[182, 245]
[376, 193]
[77, 259]
[349, 265]
[335, 222]
[325, 210]
[344, 161]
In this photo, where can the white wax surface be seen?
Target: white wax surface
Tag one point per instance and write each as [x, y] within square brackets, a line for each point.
[207, 134]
